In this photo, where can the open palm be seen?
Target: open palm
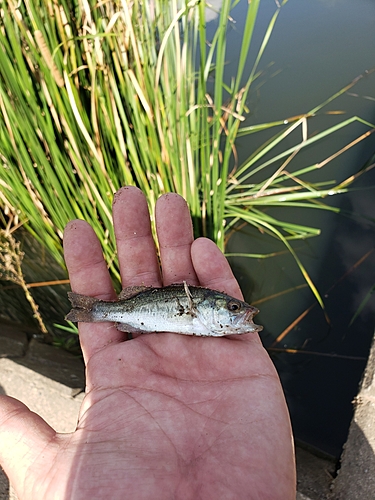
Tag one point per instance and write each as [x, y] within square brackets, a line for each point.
[165, 416]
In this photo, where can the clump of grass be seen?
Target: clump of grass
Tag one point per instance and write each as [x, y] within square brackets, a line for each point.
[11, 258]
[97, 95]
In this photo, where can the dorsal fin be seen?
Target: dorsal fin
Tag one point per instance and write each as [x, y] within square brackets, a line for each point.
[132, 291]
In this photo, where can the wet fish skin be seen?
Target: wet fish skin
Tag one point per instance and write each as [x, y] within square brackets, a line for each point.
[183, 309]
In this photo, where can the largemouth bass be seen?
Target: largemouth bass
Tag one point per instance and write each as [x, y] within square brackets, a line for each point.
[188, 310]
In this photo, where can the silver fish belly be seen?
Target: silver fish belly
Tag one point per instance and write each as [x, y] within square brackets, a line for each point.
[183, 309]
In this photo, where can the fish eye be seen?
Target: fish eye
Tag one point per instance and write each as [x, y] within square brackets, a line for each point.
[234, 305]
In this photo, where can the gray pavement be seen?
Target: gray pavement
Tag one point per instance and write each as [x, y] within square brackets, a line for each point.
[49, 381]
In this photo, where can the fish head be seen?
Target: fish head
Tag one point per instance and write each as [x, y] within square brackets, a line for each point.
[224, 315]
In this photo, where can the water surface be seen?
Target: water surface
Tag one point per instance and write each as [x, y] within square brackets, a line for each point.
[318, 46]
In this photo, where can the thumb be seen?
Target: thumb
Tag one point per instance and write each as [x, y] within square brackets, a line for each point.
[23, 439]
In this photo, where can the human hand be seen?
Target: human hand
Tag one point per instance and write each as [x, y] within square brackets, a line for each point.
[165, 416]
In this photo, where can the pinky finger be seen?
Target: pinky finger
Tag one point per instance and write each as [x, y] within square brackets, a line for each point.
[213, 269]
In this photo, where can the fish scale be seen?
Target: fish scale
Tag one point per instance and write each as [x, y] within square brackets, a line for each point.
[182, 309]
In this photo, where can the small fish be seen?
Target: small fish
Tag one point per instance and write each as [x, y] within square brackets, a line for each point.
[183, 309]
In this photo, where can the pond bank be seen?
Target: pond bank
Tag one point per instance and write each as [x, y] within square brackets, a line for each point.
[50, 382]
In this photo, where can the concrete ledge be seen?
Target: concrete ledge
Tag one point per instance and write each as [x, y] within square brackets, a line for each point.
[356, 476]
[301, 496]
[314, 475]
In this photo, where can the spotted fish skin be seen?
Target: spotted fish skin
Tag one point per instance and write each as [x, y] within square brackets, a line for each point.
[182, 309]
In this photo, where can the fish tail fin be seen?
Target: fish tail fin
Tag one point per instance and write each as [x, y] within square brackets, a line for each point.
[82, 308]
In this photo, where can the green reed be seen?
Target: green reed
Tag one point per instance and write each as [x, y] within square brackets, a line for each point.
[95, 95]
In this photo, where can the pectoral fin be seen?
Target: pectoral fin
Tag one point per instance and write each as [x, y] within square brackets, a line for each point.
[123, 327]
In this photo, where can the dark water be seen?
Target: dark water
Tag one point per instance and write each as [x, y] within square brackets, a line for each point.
[318, 46]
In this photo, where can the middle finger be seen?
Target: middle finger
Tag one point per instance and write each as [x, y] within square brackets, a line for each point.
[135, 245]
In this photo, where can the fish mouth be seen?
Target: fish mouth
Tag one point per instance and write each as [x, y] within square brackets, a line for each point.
[249, 317]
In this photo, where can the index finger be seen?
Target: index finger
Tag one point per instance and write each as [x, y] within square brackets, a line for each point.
[89, 275]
